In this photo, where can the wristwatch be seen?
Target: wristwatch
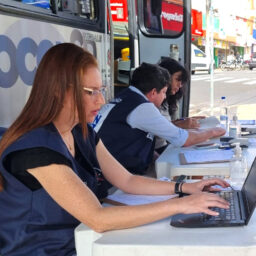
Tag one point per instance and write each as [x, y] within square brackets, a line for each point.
[178, 185]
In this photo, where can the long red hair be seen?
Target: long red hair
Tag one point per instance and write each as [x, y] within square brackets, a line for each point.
[62, 66]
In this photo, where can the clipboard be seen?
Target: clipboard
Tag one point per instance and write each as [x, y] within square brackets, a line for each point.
[121, 198]
[112, 202]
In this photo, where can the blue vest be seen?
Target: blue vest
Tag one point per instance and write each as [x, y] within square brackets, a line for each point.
[132, 147]
[31, 222]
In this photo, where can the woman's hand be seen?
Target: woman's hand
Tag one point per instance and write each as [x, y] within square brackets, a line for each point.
[217, 131]
[201, 203]
[204, 185]
[187, 123]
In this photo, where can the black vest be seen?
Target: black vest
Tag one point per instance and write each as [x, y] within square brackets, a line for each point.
[133, 148]
[31, 222]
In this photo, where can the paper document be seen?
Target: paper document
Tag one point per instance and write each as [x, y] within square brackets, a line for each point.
[209, 122]
[130, 199]
[206, 156]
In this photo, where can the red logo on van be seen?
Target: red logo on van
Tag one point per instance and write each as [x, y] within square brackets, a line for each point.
[172, 16]
[119, 10]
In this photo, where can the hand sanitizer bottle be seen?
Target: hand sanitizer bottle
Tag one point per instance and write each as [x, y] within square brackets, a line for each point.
[234, 128]
[238, 167]
[237, 151]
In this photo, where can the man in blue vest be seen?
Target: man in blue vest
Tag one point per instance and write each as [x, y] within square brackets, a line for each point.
[128, 124]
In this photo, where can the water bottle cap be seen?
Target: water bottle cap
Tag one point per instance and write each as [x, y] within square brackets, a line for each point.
[223, 97]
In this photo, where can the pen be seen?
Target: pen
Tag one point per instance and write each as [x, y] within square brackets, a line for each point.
[232, 188]
[248, 134]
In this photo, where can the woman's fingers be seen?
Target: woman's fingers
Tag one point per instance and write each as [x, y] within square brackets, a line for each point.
[202, 202]
[208, 184]
[217, 202]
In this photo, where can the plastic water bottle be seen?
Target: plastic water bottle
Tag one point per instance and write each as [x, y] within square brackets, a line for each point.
[224, 113]
[234, 127]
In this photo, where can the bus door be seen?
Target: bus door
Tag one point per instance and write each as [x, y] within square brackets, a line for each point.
[30, 27]
[163, 29]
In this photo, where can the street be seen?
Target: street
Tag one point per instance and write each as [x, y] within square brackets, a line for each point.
[239, 87]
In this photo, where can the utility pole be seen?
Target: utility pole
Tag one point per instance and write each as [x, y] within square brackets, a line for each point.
[209, 48]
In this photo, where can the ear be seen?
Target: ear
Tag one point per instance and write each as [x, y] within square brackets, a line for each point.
[151, 94]
[154, 91]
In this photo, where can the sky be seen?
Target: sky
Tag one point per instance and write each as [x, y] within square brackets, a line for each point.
[235, 7]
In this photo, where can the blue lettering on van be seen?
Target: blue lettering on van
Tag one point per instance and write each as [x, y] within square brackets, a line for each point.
[18, 57]
[43, 48]
[26, 45]
[8, 79]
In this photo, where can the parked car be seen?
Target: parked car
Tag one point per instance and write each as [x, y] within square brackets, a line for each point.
[199, 60]
[252, 63]
[247, 58]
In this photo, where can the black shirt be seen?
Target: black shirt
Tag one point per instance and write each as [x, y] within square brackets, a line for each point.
[18, 162]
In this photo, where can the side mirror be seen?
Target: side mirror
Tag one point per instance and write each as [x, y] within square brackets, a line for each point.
[156, 7]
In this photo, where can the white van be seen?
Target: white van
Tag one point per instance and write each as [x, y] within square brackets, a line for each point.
[199, 60]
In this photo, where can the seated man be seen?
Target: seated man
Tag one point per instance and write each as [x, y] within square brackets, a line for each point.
[128, 124]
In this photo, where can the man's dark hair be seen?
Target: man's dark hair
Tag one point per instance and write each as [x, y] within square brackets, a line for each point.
[173, 66]
[149, 76]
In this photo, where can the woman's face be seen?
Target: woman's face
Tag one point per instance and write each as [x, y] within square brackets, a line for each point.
[92, 92]
[176, 82]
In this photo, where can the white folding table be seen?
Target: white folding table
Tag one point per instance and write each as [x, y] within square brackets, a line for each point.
[161, 239]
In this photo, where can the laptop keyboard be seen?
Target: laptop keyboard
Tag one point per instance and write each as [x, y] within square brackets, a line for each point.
[224, 214]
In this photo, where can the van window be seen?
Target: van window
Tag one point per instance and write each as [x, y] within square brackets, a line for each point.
[74, 8]
[198, 53]
[82, 8]
[163, 17]
[39, 3]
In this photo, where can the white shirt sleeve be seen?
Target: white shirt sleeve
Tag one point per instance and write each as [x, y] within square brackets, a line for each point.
[148, 118]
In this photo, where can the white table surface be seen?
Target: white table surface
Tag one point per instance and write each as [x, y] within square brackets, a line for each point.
[161, 239]
[168, 163]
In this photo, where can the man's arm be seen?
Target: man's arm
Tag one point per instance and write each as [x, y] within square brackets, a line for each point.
[148, 118]
[199, 136]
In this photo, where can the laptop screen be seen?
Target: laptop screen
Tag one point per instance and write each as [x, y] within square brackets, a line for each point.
[249, 188]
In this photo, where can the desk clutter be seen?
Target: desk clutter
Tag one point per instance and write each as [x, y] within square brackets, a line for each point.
[229, 149]
[244, 142]
[170, 165]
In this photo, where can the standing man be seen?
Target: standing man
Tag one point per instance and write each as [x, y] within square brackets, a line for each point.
[128, 124]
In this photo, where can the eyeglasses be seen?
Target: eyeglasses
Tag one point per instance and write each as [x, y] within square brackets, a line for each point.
[95, 92]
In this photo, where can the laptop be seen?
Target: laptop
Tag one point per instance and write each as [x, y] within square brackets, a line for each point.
[242, 204]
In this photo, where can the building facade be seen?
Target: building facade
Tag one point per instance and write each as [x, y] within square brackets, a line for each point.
[233, 24]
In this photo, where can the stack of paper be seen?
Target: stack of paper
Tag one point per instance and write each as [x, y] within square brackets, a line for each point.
[209, 122]
[206, 156]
